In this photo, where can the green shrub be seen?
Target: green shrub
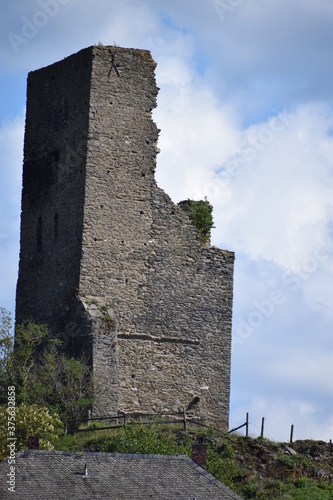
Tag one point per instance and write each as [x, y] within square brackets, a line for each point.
[226, 450]
[200, 214]
[30, 420]
[145, 439]
[287, 460]
[226, 470]
[302, 482]
[251, 489]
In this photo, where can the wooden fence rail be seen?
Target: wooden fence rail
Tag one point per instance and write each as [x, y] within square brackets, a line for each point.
[121, 420]
[246, 424]
[124, 419]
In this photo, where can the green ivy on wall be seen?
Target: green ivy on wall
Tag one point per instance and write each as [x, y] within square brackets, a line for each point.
[200, 214]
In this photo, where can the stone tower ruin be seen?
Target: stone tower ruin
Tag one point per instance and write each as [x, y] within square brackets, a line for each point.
[107, 260]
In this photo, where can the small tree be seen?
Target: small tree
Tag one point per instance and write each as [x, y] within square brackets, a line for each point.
[6, 353]
[62, 383]
[41, 373]
[28, 338]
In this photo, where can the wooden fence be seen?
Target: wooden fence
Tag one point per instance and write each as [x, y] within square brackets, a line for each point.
[121, 420]
[246, 425]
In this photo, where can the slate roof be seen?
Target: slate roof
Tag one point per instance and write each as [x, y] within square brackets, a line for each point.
[42, 475]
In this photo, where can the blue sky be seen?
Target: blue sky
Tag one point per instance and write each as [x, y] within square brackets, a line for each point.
[246, 119]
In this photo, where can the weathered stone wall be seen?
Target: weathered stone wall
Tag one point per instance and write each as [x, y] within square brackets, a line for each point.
[140, 259]
[53, 190]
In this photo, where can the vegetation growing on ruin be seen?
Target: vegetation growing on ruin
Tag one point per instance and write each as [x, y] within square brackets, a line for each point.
[104, 312]
[200, 214]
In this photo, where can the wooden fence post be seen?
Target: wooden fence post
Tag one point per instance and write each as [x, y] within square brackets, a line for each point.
[184, 418]
[247, 425]
[262, 427]
[291, 433]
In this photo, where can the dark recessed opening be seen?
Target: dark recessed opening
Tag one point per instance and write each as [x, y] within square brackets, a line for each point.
[143, 175]
[102, 206]
[193, 403]
[141, 212]
[133, 376]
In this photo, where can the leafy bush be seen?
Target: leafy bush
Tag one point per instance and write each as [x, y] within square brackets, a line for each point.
[226, 450]
[251, 489]
[41, 374]
[146, 439]
[302, 482]
[226, 470]
[287, 460]
[200, 214]
[30, 420]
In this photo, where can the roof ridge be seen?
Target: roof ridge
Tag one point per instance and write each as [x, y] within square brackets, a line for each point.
[25, 453]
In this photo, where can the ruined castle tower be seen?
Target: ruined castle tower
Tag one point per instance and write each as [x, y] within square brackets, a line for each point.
[107, 260]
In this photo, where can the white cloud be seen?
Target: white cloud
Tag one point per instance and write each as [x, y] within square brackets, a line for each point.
[198, 133]
[286, 385]
[280, 202]
[272, 199]
[132, 25]
[309, 420]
